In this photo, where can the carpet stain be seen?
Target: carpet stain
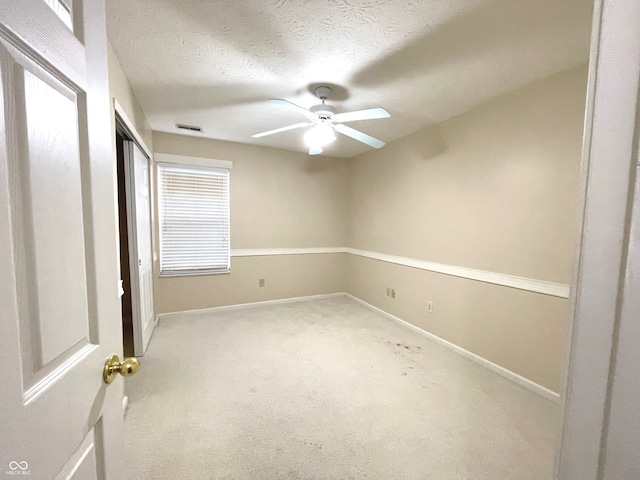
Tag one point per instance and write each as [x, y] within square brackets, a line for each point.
[406, 347]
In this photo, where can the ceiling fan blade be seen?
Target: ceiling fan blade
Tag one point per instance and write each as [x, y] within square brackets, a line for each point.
[360, 136]
[315, 150]
[369, 114]
[282, 129]
[286, 103]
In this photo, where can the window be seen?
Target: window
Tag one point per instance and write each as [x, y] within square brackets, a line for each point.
[193, 207]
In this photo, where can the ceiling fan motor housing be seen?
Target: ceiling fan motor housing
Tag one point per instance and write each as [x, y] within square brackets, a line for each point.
[324, 111]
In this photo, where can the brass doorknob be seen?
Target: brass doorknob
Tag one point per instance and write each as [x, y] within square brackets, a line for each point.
[113, 366]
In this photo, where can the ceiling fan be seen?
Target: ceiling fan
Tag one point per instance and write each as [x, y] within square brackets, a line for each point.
[326, 121]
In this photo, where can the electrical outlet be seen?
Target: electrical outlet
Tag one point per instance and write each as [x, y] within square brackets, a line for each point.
[429, 306]
[261, 282]
[393, 293]
[388, 292]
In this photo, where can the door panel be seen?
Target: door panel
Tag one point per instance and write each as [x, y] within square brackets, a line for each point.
[143, 221]
[53, 232]
[58, 281]
[141, 262]
[84, 463]
[64, 10]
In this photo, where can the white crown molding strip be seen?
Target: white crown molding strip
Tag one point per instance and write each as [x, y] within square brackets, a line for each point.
[201, 311]
[514, 377]
[260, 252]
[521, 283]
[199, 161]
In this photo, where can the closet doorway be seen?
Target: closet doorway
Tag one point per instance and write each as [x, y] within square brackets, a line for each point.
[136, 256]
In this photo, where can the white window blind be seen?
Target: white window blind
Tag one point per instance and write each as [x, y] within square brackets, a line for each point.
[194, 219]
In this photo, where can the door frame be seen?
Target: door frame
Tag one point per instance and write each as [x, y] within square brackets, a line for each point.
[126, 127]
[121, 115]
[609, 159]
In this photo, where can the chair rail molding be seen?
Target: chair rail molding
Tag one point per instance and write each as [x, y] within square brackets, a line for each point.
[521, 283]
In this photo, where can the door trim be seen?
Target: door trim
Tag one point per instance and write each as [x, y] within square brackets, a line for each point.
[608, 170]
[130, 128]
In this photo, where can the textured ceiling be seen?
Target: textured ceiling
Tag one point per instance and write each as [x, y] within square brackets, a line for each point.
[215, 63]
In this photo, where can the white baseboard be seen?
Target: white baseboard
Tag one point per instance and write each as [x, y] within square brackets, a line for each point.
[125, 404]
[163, 316]
[514, 377]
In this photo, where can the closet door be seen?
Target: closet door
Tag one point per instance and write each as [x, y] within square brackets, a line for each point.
[141, 259]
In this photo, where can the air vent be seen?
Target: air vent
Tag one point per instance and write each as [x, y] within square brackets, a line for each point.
[191, 128]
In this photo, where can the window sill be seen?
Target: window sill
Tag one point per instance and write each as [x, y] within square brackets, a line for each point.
[194, 274]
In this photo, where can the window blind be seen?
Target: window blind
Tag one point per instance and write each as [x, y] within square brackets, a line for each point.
[193, 204]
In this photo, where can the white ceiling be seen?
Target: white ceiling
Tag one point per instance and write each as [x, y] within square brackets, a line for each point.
[215, 63]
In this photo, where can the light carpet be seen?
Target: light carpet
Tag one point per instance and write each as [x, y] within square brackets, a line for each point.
[325, 389]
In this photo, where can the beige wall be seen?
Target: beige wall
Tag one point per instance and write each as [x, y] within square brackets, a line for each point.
[519, 330]
[286, 276]
[121, 90]
[278, 200]
[494, 189]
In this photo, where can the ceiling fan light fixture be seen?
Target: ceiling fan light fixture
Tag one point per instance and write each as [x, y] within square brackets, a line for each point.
[315, 150]
[319, 135]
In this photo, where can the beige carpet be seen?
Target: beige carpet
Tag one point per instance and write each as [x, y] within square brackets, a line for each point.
[325, 389]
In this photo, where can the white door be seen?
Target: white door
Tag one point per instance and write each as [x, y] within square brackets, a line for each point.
[59, 305]
[139, 218]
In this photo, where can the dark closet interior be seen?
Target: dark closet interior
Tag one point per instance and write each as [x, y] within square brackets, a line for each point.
[127, 312]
